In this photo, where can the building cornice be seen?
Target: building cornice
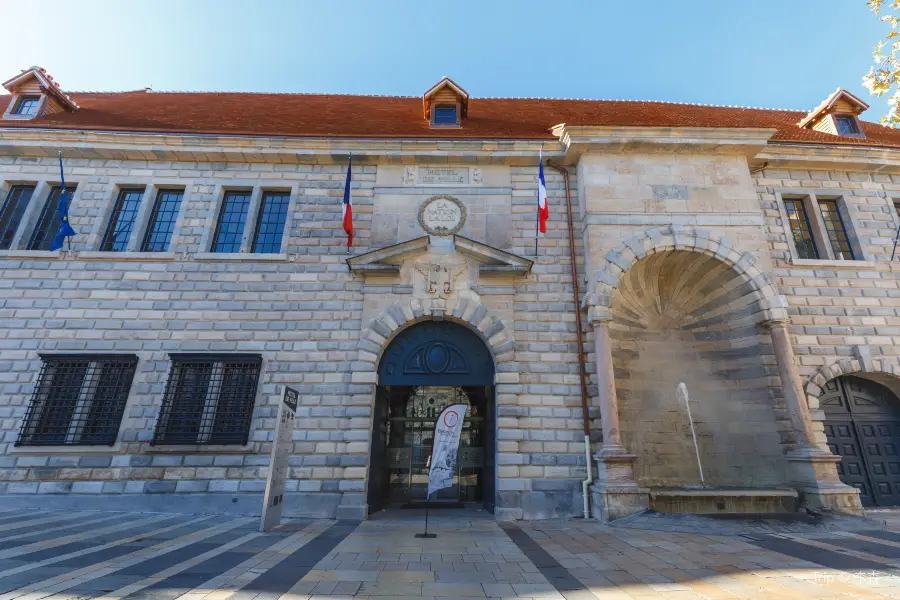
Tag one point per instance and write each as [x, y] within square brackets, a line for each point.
[266, 149]
[578, 140]
[834, 158]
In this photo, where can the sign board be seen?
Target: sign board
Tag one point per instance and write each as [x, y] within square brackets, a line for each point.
[273, 499]
[447, 430]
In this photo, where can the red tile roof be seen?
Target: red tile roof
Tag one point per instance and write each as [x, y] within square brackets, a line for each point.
[314, 115]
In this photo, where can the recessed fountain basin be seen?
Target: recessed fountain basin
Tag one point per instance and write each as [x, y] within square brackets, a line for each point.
[710, 500]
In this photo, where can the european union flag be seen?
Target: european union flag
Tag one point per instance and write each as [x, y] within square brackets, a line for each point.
[65, 230]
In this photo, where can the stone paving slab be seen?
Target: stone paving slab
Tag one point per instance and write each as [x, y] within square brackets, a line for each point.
[215, 557]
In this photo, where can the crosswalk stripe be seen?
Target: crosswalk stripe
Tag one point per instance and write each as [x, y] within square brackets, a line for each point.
[166, 573]
[837, 549]
[226, 584]
[54, 543]
[48, 587]
[57, 559]
[63, 528]
[57, 517]
[867, 538]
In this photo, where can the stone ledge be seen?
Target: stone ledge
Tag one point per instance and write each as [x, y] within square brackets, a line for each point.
[746, 493]
[199, 449]
[125, 256]
[240, 257]
[834, 264]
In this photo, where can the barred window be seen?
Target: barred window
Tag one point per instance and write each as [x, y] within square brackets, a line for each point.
[270, 224]
[162, 221]
[209, 399]
[837, 233]
[49, 222]
[122, 220]
[11, 213]
[230, 228]
[79, 400]
[800, 228]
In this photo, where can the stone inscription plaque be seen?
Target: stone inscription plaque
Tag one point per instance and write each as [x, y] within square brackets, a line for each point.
[442, 175]
[670, 192]
[442, 215]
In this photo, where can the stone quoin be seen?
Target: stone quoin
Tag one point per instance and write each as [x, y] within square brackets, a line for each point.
[744, 252]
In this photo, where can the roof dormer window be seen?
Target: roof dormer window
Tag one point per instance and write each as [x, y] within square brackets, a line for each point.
[27, 106]
[445, 104]
[445, 114]
[846, 124]
[838, 115]
[34, 94]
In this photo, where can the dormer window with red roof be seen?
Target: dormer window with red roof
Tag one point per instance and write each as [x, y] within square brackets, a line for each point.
[837, 115]
[34, 93]
[445, 104]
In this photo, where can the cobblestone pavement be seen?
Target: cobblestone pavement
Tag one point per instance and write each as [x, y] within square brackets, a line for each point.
[83, 554]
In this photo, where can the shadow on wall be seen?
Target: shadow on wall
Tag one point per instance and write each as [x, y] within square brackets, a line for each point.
[685, 316]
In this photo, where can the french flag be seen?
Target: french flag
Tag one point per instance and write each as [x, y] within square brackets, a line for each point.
[347, 217]
[543, 207]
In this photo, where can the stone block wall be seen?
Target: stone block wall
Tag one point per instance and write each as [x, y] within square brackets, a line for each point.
[845, 312]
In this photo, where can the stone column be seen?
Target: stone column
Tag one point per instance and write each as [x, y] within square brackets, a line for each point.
[813, 467]
[615, 494]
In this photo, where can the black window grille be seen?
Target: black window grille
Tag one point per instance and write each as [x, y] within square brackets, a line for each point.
[800, 228]
[11, 213]
[230, 227]
[79, 400]
[270, 224]
[121, 222]
[837, 233]
[27, 105]
[445, 115]
[49, 222]
[847, 125]
[162, 221]
[209, 400]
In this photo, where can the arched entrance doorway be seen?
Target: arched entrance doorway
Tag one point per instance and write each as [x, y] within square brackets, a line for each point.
[424, 369]
[862, 425]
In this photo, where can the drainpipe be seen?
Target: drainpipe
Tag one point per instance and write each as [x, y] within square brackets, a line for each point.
[581, 358]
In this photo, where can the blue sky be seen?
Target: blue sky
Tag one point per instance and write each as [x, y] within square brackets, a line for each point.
[769, 53]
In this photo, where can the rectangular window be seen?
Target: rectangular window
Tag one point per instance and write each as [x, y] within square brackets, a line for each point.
[270, 224]
[834, 226]
[49, 222]
[209, 400]
[121, 222]
[11, 213]
[897, 207]
[27, 105]
[162, 221]
[800, 228]
[232, 219]
[445, 115]
[846, 125]
[79, 400]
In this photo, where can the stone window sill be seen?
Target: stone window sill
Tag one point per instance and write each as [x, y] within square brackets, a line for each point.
[126, 256]
[197, 449]
[32, 254]
[71, 449]
[241, 257]
[834, 264]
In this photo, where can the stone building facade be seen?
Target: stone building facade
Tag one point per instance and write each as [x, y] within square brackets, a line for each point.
[735, 251]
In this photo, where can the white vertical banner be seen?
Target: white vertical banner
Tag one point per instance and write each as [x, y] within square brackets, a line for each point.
[447, 430]
[273, 499]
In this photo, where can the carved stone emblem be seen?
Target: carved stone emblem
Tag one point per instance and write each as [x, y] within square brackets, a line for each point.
[442, 215]
[440, 277]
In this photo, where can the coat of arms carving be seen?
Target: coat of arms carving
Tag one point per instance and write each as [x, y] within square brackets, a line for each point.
[442, 215]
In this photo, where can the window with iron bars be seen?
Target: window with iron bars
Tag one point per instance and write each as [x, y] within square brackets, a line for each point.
[79, 400]
[209, 400]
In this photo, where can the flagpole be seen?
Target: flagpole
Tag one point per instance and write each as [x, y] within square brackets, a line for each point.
[896, 239]
[537, 214]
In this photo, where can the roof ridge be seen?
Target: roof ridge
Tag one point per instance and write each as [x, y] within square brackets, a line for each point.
[345, 95]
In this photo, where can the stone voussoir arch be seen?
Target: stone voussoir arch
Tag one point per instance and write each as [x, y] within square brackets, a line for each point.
[616, 262]
[469, 313]
[815, 383]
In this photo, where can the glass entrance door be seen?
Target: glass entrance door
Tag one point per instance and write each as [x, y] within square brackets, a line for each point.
[411, 415]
